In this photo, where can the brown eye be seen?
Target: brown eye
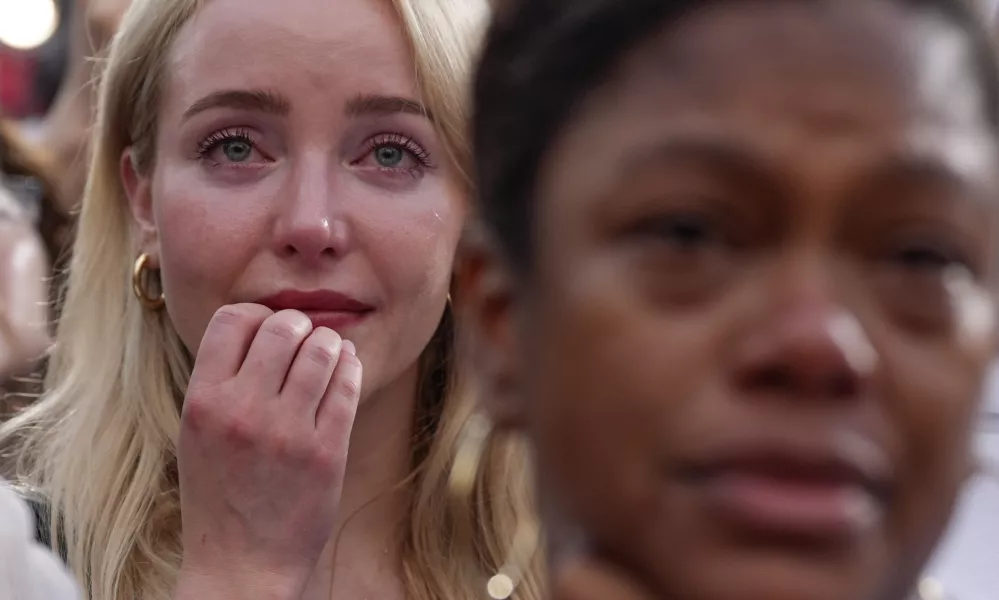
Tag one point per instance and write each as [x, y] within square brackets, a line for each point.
[683, 231]
[927, 258]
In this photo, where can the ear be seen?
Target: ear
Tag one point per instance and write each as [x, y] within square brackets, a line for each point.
[138, 188]
[491, 315]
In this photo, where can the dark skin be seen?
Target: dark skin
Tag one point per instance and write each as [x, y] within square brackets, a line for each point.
[775, 222]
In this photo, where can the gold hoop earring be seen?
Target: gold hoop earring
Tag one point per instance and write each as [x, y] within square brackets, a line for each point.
[140, 279]
[464, 474]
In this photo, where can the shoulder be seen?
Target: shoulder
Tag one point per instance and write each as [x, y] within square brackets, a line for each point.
[39, 513]
[27, 570]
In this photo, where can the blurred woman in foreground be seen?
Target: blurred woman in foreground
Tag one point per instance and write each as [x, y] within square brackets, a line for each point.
[738, 285]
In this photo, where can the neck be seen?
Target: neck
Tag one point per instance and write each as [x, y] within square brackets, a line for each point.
[380, 457]
[364, 551]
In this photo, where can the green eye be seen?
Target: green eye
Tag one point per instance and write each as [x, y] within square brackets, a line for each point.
[237, 150]
[389, 156]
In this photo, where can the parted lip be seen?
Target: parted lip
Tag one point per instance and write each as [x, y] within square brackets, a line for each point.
[819, 461]
[315, 301]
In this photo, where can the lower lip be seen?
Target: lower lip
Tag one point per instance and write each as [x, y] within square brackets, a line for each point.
[335, 320]
[793, 506]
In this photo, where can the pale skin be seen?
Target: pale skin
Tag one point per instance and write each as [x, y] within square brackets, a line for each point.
[317, 175]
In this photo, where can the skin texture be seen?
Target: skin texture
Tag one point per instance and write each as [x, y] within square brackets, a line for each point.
[298, 182]
[776, 222]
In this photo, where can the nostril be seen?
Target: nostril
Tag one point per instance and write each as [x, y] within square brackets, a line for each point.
[842, 385]
[787, 382]
[769, 378]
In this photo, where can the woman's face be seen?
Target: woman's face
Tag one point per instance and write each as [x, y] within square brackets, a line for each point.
[751, 343]
[296, 167]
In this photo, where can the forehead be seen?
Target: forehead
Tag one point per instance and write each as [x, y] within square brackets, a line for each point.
[872, 74]
[311, 46]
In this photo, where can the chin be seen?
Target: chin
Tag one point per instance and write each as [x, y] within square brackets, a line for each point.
[726, 586]
[698, 564]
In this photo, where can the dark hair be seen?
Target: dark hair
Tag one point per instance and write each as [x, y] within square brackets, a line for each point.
[543, 56]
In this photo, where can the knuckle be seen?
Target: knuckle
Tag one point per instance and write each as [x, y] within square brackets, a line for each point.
[283, 446]
[320, 352]
[239, 430]
[328, 459]
[199, 404]
[349, 387]
[196, 413]
[288, 325]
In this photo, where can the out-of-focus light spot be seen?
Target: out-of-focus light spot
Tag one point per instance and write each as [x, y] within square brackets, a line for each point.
[27, 24]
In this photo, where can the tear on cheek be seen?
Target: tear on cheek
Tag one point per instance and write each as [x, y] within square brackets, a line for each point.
[973, 309]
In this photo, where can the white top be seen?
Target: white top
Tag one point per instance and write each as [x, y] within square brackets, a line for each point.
[28, 571]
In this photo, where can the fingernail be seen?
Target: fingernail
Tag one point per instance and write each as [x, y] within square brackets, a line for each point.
[348, 346]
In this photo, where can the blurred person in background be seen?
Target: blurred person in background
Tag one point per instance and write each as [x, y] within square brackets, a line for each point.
[275, 197]
[33, 235]
[738, 286]
[63, 135]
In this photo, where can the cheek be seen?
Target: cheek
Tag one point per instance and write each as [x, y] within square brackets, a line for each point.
[934, 403]
[609, 390]
[205, 245]
[412, 246]
[409, 247]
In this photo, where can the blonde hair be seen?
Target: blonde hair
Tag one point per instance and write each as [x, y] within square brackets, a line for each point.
[100, 445]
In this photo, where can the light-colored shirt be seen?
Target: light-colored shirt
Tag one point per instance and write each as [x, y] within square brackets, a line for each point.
[28, 571]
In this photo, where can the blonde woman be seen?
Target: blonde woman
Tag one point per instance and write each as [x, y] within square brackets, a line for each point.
[275, 198]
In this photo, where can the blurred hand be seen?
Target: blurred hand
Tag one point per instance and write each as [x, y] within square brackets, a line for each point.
[262, 452]
[28, 571]
[24, 297]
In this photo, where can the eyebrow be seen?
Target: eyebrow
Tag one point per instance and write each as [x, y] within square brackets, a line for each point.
[252, 100]
[731, 157]
[375, 105]
[718, 151]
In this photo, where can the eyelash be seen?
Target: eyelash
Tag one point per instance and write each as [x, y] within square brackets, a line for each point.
[399, 140]
[402, 141]
[220, 137]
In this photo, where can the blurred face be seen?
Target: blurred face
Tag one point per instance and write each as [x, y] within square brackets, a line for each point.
[297, 168]
[750, 346]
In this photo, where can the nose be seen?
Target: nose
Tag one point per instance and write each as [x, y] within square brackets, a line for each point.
[310, 225]
[808, 346]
